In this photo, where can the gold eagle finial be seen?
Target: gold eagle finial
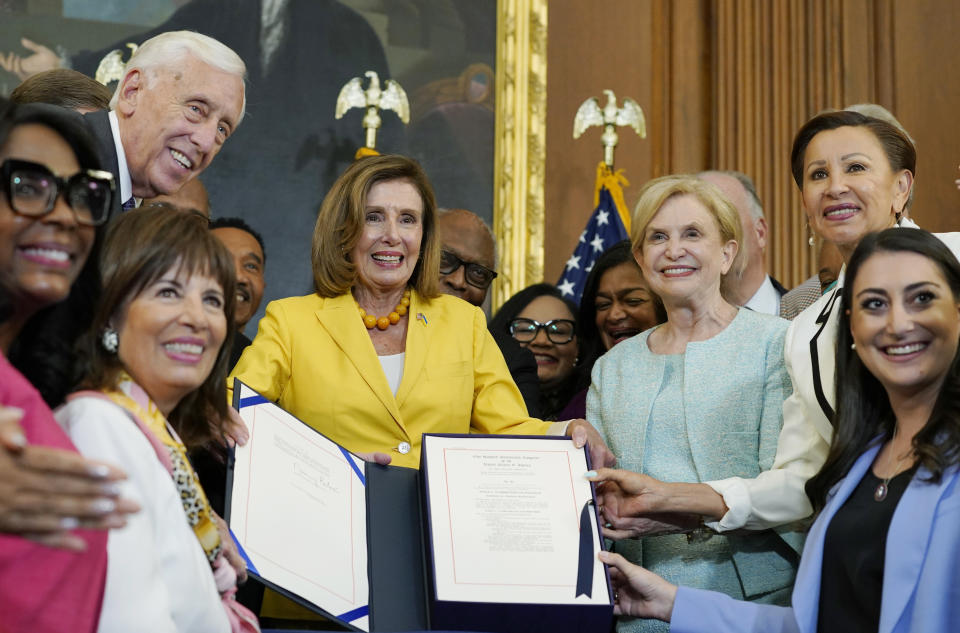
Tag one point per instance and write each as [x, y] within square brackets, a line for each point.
[111, 67]
[610, 116]
[392, 97]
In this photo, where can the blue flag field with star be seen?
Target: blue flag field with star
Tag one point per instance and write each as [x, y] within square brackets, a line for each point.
[604, 229]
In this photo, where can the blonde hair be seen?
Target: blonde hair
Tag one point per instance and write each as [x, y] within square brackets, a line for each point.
[655, 194]
[341, 219]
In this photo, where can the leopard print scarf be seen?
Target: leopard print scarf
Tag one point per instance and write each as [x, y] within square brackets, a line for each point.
[131, 397]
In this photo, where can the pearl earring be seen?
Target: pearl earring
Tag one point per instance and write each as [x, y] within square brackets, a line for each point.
[853, 346]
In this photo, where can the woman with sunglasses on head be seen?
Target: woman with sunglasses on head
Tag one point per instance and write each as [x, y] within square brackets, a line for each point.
[884, 551]
[698, 397]
[542, 320]
[53, 199]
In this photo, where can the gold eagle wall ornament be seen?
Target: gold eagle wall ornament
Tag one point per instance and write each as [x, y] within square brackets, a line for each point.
[610, 116]
[111, 67]
[392, 97]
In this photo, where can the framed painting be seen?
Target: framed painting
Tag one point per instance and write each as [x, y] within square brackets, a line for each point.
[474, 72]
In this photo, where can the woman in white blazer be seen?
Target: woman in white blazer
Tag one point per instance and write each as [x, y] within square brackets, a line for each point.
[855, 174]
[884, 552]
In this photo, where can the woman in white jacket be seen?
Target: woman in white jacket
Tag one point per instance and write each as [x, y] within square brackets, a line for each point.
[855, 174]
[155, 368]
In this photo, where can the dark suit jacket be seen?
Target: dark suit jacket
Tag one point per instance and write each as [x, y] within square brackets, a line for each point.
[778, 286]
[99, 125]
[523, 370]
[289, 126]
[240, 343]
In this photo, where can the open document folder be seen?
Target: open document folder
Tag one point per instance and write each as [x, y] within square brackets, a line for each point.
[494, 533]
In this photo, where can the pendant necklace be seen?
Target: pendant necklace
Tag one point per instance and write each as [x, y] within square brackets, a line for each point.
[884, 486]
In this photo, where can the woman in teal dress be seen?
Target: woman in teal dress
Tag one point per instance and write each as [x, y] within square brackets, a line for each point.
[697, 398]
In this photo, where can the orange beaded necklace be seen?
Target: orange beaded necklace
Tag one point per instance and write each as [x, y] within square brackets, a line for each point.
[384, 322]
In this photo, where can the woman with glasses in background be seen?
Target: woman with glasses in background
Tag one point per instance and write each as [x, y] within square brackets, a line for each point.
[540, 319]
[698, 397]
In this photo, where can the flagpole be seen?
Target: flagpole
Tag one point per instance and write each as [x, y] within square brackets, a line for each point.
[610, 221]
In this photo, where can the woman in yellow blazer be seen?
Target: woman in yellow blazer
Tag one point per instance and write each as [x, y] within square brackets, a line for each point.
[377, 357]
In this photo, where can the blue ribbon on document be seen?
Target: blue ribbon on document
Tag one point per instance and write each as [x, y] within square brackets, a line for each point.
[249, 401]
[586, 556]
[354, 614]
[353, 465]
[243, 554]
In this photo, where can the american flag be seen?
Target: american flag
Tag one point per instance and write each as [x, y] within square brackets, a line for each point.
[604, 229]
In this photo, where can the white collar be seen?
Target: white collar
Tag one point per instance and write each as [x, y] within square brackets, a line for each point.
[766, 299]
[902, 223]
[126, 184]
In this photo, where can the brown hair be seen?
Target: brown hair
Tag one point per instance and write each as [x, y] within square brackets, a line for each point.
[341, 219]
[139, 248]
[655, 194]
[900, 151]
[65, 88]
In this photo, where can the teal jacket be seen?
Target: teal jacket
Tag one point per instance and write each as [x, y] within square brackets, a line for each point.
[734, 387]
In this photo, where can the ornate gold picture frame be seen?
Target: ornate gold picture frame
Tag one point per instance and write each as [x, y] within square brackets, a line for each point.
[519, 152]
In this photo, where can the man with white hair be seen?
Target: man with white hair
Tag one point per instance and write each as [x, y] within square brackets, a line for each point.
[182, 95]
[753, 288]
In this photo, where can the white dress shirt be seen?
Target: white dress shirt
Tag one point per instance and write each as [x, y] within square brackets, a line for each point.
[766, 299]
[126, 184]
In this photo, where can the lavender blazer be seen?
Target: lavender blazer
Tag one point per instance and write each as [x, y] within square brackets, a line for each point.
[921, 575]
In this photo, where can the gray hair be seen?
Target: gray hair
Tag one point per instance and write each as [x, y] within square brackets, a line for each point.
[877, 111]
[753, 199]
[167, 49]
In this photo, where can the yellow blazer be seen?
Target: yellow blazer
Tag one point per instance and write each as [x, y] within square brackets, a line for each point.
[313, 357]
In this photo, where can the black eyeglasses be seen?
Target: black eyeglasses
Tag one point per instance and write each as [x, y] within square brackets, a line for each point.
[475, 274]
[559, 331]
[32, 190]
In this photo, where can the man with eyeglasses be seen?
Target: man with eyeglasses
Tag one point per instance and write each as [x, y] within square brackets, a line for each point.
[467, 261]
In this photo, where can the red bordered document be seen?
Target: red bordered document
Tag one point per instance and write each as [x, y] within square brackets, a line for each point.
[298, 510]
[494, 533]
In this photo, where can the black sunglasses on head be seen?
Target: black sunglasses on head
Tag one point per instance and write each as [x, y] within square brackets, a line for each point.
[32, 190]
[474, 274]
